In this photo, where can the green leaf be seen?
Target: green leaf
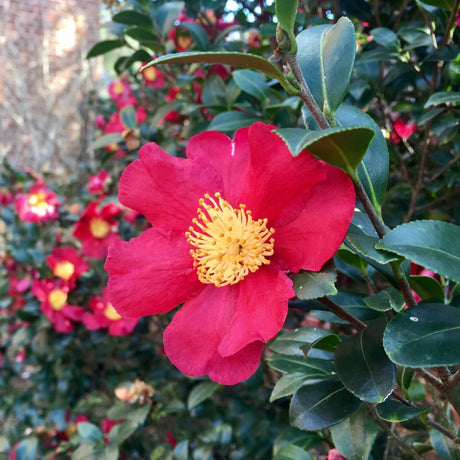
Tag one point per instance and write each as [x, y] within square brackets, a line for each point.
[291, 452]
[128, 116]
[290, 435]
[290, 342]
[286, 11]
[89, 432]
[432, 244]
[343, 148]
[119, 433]
[355, 436]
[311, 285]
[373, 169]
[145, 36]
[444, 4]
[394, 411]
[165, 16]
[443, 97]
[288, 384]
[231, 121]
[424, 336]
[320, 404]
[27, 449]
[132, 18]
[251, 82]
[250, 61]
[104, 47]
[326, 55]
[200, 393]
[106, 139]
[426, 287]
[362, 365]
[310, 367]
[389, 299]
[385, 37]
[444, 446]
[200, 38]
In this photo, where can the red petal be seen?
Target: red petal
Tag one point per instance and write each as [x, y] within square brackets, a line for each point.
[260, 308]
[230, 159]
[166, 189]
[192, 339]
[150, 274]
[277, 184]
[315, 235]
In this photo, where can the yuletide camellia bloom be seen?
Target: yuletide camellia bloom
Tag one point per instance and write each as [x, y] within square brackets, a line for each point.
[53, 295]
[229, 222]
[39, 205]
[96, 229]
[67, 263]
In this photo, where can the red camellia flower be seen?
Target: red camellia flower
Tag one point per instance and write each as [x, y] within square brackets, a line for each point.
[104, 315]
[39, 205]
[120, 90]
[67, 263]
[53, 294]
[99, 183]
[229, 222]
[402, 130]
[153, 77]
[96, 229]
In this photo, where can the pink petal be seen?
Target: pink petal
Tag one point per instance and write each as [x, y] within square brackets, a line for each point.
[315, 235]
[260, 308]
[165, 189]
[277, 184]
[230, 159]
[192, 339]
[150, 274]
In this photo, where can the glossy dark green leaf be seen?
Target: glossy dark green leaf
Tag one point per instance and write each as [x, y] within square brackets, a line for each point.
[121, 432]
[326, 55]
[426, 287]
[89, 432]
[394, 411]
[429, 243]
[290, 435]
[320, 404]
[231, 121]
[311, 285]
[104, 47]
[291, 452]
[165, 16]
[200, 38]
[289, 383]
[362, 365]
[290, 342]
[388, 299]
[286, 11]
[311, 367]
[200, 393]
[128, 116]
[250, 61]
[355, 436]
[106, 139]
[340, 147]
[444, 4]
[444, 446]
[144, 35]
[251, 82]
[385, 37]
[443, 97]
[373, 169]
[132, 18]
[426, 335]
[326, 343]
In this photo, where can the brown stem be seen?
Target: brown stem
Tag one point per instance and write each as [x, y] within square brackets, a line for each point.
[370, 210]
[447, 38]
[444, 169]
[343, 314]
[432, 379]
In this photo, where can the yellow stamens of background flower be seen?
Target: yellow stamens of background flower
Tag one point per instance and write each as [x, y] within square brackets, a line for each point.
[38, 200]
[150, 74]
[99, 227]
[111, 313]
[118, 87]
[57, 299]
[229, 243]
[64, 270]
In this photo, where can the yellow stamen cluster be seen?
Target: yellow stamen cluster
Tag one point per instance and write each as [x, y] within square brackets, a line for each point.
[57, 298]
[228, 243]
[150, 74]
[111, 313]
[99, 227]
[64, 270]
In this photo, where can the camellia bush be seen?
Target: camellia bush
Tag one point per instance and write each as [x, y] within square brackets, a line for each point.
[260, 258]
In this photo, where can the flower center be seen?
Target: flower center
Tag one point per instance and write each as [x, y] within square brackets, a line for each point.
[57, 299]
[99, 227]
[228, 242]
[150, 74]
[111, 313]
[38, 200]
[64, 270]
[118, 87]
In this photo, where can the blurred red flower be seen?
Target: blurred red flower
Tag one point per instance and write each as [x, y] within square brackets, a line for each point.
[67, 263]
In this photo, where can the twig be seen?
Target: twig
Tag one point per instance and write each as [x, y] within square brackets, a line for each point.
[343, 314]
[432, 379]
[444, 169]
